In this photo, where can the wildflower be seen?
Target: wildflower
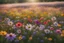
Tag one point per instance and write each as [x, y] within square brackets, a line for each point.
[47, 31]
[50, 39]
[37, 21]
[62, 14]
[18, 31]
[14, 27]
[23, 37]
[10, 23]
[41, 27]
[55, 24]
[59, 25]
[16, 41]
[10, 36]
[19, 24]
[58, 31]
[29, 27]
[30, 38]
[62, 33]
[51, 28]
[3, 33]
[20, 37]
[34, 33]
[53, 18]
[41, 41]
[45, 23]
[7, 19]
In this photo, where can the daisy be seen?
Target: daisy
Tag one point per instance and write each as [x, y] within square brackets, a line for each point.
[29, 27]
[10, 23]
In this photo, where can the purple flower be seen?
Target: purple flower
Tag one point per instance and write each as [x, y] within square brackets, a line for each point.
[41, 27]
[23, 37]
[25, 33]
[55, 24]
[34, 33]
[37, 22]
[10, 36]
[14, 27]
[42, 34]
[16, 41]
[41, 41]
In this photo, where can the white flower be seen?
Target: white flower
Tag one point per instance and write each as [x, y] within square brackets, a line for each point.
[53, 18]
[47, 31]
[10, 23]
[18, 31]
[55, 23]
[29, 27]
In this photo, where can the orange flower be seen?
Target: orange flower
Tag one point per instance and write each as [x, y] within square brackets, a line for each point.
[50, 39]
[62, 31]
[59, 25]
[62, 14]
[3, 33]
[62, 35]
[30, 38]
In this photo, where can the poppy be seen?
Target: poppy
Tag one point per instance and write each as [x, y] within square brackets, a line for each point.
[19, 24]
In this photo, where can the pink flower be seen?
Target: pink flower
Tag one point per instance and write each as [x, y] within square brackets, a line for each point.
[51, 28]
[58, 31]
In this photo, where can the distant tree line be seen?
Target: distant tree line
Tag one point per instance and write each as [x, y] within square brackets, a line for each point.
[19, 1]
[49, 0]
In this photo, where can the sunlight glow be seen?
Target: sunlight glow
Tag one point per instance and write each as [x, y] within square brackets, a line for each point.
[32, 0]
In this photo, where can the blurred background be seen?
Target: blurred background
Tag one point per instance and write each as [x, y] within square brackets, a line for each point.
[22, 1]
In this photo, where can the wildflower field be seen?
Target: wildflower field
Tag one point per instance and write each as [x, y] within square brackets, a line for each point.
[32, 25]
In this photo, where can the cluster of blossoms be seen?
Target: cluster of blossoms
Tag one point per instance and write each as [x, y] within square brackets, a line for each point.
[31, 27]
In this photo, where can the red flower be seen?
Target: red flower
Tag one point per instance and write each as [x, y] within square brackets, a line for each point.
[45, 23]
[19, 24]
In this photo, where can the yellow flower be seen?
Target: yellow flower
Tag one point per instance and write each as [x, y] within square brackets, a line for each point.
[3, 33]
[50, 39]
[30, 38]
[20, 37]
